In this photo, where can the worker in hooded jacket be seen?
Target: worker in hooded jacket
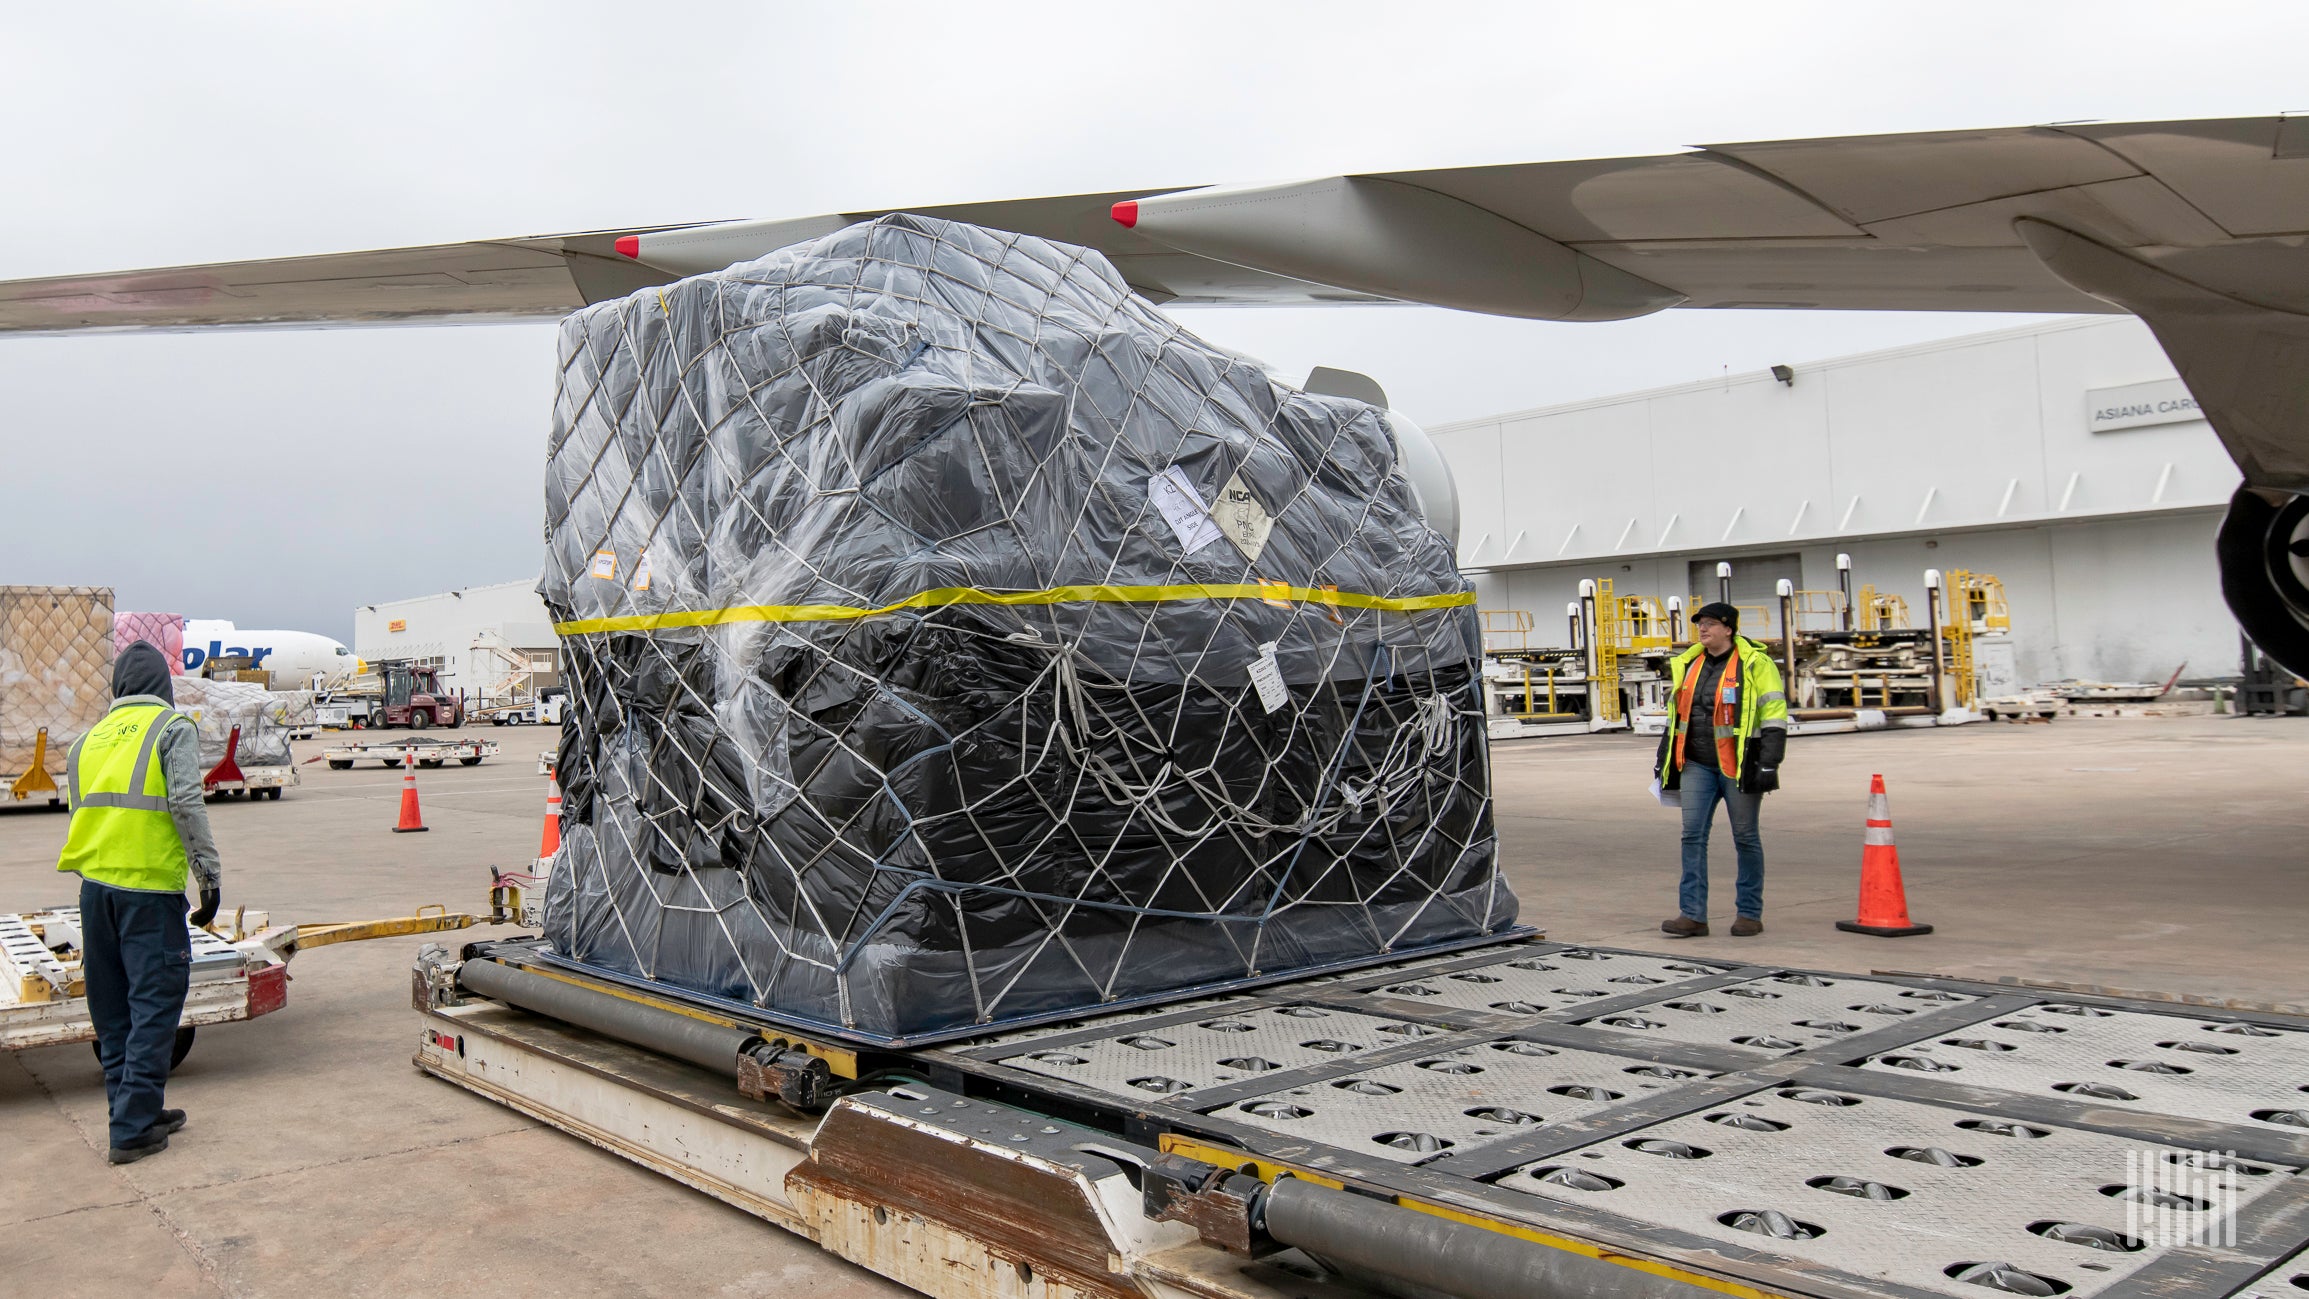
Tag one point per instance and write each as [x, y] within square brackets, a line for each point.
[139, 831]
[1727, 731]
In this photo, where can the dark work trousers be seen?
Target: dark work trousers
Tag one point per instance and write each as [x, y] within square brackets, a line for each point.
[136, 954]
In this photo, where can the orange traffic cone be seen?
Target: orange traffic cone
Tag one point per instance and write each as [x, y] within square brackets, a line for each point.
[1883, 902]
[411, 818]
[549, 842]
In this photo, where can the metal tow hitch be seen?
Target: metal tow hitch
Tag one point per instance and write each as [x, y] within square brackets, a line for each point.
[1226, 1208]
[774, 1070]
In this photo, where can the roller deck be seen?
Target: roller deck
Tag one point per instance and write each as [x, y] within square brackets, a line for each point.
[44, 1001]
[1530, 1118]
[421, 751]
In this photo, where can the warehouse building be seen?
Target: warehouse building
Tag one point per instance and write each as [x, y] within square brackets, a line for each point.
[484, 639]
[2065, 459]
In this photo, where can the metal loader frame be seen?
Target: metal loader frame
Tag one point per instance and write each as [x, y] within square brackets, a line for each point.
[1311, 1135]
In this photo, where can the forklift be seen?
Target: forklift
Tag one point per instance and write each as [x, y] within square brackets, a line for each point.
[412, 697]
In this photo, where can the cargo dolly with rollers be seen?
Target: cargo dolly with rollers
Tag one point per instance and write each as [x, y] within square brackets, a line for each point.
[423, 752]
[239, 970]
[229, 778]
[1525, 1118]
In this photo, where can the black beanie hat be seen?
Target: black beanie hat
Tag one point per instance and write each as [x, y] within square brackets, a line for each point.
[1719, 611]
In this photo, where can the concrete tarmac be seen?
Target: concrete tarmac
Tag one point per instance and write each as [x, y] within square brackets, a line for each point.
[2157, 855]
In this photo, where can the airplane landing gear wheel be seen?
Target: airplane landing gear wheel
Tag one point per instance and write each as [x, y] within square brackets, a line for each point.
[2264, 551]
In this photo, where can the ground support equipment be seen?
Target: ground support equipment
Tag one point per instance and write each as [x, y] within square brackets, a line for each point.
[34, 780]
[425, 752]
[239, 970]
[1528, 1119]
[229, 779]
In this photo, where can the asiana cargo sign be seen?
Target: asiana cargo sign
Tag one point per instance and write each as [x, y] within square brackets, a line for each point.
[2164, 401]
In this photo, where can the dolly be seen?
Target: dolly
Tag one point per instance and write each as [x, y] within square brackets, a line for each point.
[239, 970]
[395, 753]
[1531, 1119]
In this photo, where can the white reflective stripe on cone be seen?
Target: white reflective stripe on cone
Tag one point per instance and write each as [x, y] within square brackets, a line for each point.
[1880, 808]
[1877, 837]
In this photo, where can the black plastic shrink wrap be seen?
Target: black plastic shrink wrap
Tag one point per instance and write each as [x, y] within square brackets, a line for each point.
[1046, 778]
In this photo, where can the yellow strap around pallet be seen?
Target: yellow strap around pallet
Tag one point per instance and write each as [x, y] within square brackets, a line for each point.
[949, 595]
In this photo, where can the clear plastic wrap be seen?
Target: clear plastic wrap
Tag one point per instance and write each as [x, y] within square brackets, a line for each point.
[953, 638]
[267, 718]
[55, 671]
[162, 631]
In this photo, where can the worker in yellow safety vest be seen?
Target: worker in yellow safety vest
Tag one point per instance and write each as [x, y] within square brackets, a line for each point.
[139, 830]
[1727, 731]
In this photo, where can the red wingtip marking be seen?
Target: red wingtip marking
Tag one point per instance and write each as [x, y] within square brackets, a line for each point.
[1125, 213]
[629, 246]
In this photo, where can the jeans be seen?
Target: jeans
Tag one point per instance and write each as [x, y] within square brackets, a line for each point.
[136, 955]
[1702, 786]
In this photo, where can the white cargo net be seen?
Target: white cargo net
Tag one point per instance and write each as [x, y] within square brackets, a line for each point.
[953, 638]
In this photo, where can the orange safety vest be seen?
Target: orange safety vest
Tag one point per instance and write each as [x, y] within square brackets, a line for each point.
[1727, 715]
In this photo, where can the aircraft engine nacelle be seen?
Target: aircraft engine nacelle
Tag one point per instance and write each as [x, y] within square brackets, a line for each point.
[1430, 476]
[2264, 550]
[1422, 462]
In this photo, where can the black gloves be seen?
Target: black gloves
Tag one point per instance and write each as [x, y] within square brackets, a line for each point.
[211, 897]
[1771, 746]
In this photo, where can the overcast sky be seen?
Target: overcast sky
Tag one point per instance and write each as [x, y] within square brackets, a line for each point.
[280, 478]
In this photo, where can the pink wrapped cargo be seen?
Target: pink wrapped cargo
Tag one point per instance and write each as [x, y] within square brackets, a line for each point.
[165, 632]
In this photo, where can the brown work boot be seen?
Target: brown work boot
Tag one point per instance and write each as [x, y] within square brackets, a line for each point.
[1684, 927]
[1747, 927]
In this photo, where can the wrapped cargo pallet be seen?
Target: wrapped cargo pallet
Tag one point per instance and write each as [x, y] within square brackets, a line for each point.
[267, 719]
[162, 631]
[55, 675]
[954, 639]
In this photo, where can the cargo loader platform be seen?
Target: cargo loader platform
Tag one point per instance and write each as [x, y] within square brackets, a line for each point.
[1529, 1119]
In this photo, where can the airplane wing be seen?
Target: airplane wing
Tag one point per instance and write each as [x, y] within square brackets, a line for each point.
[1913, 222]
[2204, 224]
[1899, 222]
[2199, 227]
[542, 277]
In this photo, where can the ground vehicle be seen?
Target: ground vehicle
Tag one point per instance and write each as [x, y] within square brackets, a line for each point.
[337, 712]
[423, 752]
[239, 970]
[413, 697]
[544, 710]
[230, 778]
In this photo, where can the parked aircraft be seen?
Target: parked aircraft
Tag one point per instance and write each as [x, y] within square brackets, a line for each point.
[298, 660]
[2199, 227]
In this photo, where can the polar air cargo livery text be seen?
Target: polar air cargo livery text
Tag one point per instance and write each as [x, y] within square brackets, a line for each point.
[298, 660]
[2201, 228]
